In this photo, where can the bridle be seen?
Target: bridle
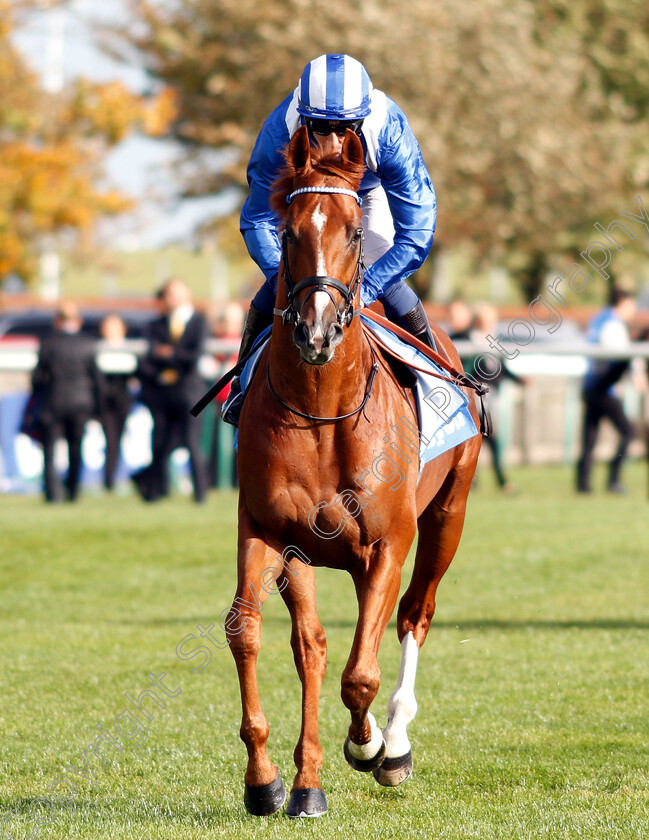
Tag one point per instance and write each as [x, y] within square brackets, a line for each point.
[345, 314]
[321, 283]
[291, 315]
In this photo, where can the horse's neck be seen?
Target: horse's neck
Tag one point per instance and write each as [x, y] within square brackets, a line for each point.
[324, 390]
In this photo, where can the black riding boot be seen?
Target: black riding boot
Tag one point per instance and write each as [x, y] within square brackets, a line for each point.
[416, 322]
[256, 323]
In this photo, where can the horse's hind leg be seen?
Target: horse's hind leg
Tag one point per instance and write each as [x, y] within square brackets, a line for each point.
[310, 653]
[264, 790]
[440, 528]
[397, 765]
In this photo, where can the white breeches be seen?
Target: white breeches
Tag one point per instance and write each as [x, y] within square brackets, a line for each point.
[377, 224]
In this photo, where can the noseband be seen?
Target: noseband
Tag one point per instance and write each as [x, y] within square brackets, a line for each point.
[321, 283]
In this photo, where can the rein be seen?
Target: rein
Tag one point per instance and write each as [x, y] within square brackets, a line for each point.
[368, 394]
[457, 377]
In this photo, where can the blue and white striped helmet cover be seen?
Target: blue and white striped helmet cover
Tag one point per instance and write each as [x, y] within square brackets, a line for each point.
[334, 87]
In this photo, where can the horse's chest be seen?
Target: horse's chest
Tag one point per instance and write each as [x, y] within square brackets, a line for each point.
[321, 488]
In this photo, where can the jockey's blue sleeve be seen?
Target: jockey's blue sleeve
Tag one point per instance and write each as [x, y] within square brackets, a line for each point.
[412, 201]
[258, 223]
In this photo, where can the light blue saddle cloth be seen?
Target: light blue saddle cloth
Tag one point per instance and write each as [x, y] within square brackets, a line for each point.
[442, 407]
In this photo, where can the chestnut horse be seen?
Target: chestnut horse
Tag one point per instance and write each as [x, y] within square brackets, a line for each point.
[316, 420]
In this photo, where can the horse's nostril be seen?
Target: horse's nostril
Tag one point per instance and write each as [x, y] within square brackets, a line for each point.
[301, 335]
[334, 335]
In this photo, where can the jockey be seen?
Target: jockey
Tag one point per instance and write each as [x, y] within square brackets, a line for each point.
[399, 207]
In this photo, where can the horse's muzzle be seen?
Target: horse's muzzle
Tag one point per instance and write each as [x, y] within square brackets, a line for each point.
[316, 347]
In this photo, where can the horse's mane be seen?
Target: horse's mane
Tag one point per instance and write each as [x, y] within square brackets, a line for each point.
[331, 166]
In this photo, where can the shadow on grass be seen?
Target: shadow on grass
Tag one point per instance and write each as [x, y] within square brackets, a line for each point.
[501, 624]
[544, 624]
[460, 624]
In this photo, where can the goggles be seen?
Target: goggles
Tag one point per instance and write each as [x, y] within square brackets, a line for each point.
[326, 127]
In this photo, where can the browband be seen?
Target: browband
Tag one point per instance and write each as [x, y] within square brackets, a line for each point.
[335, 190]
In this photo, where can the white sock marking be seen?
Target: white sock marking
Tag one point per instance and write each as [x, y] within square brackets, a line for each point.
[402, 706]
[369, 750]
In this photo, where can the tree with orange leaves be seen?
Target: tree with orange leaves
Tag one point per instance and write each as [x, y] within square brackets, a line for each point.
[51, 149]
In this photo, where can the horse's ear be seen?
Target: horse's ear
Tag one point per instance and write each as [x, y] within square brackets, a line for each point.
[299, 150]
[352, 150]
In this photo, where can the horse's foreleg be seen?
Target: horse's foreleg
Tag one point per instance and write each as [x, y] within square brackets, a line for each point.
[310, 653]
[264, 790]
[377, 590]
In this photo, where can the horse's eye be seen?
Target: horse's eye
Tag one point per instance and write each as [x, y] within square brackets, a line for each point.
[357, 235]
[288, 233]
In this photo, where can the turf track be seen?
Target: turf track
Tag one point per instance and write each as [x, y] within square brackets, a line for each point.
[532, 687]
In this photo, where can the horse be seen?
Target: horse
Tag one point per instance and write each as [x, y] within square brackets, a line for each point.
[318, 487]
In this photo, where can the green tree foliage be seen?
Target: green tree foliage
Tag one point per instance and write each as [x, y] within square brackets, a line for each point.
[531, 116]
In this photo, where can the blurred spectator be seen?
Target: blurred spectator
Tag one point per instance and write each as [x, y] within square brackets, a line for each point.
[71, 385]
[146, 374]
[609, 328]
[116, 403]
[172, 384]
[459, 320]
[228, 324]
[492, 372]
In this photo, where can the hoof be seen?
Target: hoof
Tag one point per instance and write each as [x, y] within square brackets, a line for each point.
[364, 765]
[264, 800]
[307, 802]
[394, 771]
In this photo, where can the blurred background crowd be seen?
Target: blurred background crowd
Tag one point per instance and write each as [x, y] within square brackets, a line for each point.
[125, 129]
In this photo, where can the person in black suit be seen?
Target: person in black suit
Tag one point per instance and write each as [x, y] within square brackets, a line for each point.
[170, 378]
[72, 387]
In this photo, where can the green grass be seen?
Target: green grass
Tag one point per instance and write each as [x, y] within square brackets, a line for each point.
[532, 687]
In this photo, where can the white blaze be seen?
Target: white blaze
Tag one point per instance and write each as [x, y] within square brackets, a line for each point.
[319, 219]
[321, 299]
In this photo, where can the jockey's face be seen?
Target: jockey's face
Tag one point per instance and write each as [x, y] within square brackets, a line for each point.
[329, 144]
[328, 135]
